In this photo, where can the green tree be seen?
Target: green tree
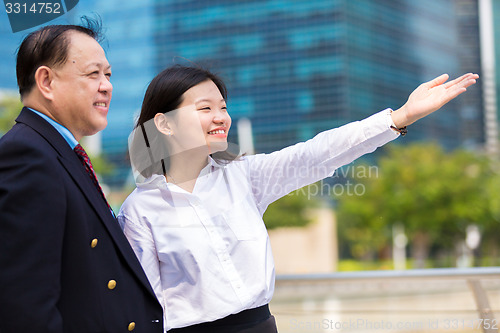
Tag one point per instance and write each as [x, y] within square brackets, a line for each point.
[434, 194]
[10, 106]
[291, 210]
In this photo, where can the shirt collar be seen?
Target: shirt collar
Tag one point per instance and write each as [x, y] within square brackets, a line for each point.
[213, 162]
[65, 133]
[153, 181]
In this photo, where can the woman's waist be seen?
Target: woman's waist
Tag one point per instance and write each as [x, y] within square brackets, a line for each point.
[245, 318]
[187, 311]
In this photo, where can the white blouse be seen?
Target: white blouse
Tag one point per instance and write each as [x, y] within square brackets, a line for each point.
[207, 254]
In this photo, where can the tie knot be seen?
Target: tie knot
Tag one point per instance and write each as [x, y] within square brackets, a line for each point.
[84, 158]
[80, 151]
[82, 154]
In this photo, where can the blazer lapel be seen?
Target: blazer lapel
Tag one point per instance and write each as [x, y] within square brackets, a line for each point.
[76, 170]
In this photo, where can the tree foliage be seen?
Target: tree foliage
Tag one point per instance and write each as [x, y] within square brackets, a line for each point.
[10, 106]
[434, 194]
[291, 210]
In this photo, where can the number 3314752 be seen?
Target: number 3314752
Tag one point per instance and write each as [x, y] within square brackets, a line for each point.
[35, 8]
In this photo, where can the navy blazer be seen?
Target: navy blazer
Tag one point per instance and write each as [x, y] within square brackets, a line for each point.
[65, 264]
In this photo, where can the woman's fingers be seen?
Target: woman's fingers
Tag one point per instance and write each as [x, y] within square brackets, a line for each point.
[464, 80]
[437, 81]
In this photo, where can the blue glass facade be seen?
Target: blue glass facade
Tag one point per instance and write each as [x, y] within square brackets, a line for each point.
[299, 67]
[471, 131]
[496, 22]
[9, 42]
[293, 67]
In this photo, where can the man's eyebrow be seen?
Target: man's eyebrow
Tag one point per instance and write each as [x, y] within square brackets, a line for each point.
[97, 64]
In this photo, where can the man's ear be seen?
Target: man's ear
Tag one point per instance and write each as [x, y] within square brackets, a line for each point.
[43, 80]
[162, 123]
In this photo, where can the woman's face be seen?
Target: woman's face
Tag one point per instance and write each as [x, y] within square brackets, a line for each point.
[201, 120]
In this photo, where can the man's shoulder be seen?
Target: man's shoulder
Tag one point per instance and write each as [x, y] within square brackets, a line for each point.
[33, 131]
[23, 137]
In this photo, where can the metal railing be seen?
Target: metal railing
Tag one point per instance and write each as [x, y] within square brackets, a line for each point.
[348, 293]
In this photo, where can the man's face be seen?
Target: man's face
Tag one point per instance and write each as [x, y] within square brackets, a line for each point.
[82, 88]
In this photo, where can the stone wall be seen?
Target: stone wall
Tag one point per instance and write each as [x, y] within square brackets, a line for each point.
[310, 249]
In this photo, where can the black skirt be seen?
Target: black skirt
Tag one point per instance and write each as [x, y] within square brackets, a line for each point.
[258, 320]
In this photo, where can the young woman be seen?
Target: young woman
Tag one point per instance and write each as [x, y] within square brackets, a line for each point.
[195, 219]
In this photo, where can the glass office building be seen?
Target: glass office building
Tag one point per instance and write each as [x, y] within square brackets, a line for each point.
[471, 131]
[293, 67]
[496, 22]
[496, 32]
[9, 42]
[299, 67]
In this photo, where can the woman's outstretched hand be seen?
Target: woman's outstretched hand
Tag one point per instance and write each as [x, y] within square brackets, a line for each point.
[431, 96]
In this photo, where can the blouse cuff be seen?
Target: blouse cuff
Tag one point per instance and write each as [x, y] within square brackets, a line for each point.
[380, 124]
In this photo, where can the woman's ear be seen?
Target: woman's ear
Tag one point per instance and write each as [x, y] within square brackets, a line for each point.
[162, 123]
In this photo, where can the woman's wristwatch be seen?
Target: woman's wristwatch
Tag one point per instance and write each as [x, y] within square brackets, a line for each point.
[402, 131]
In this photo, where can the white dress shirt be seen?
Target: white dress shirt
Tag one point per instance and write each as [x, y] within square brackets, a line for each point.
[207, 253]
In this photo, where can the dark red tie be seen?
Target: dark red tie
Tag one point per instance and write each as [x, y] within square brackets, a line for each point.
[90, 171]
